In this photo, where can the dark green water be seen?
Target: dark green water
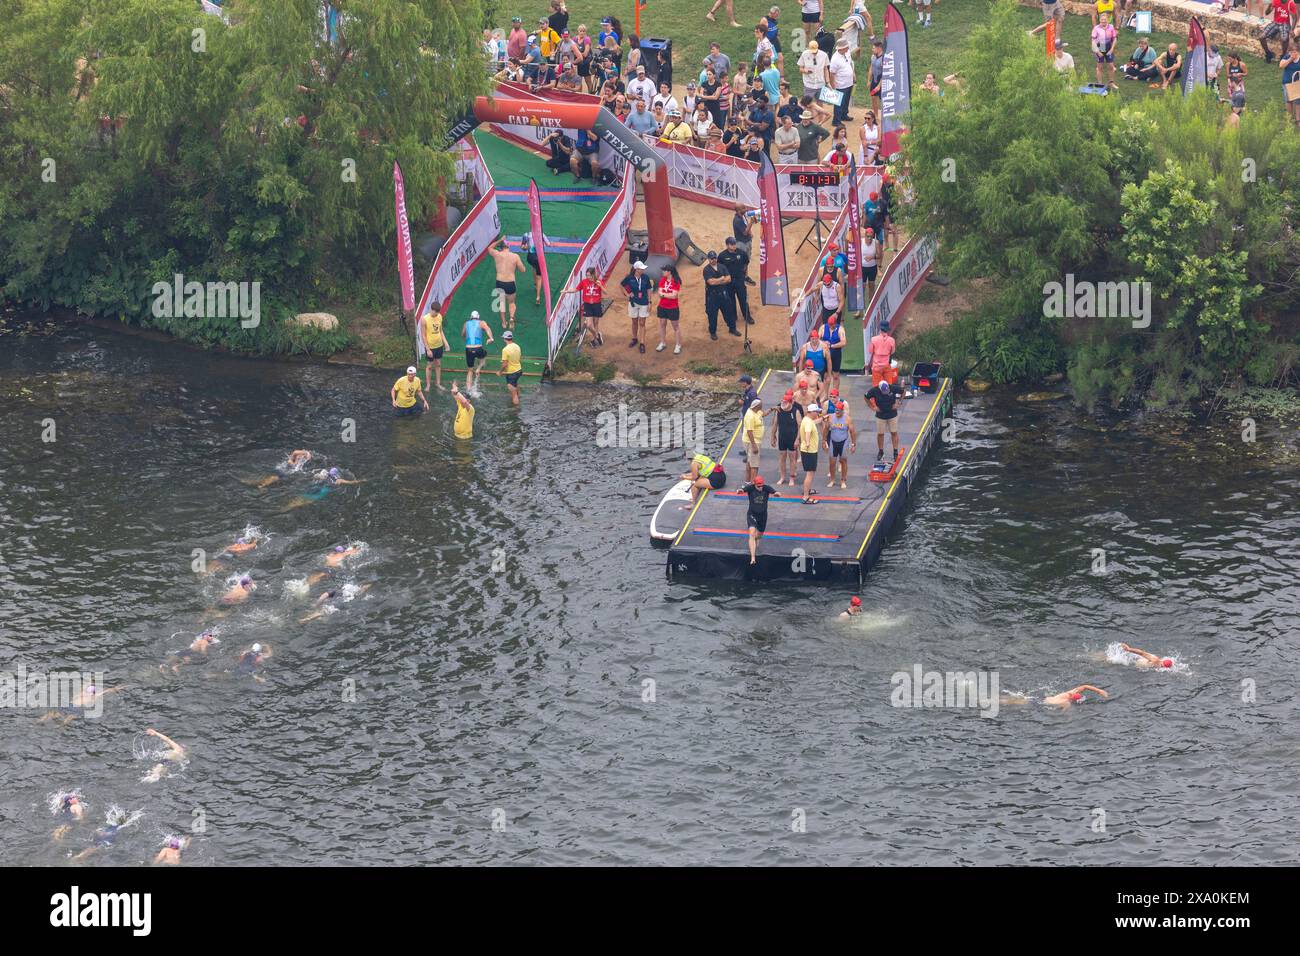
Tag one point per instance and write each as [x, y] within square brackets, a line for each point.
[515, 610]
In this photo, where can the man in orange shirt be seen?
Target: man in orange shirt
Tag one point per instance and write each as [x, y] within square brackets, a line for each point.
[880, 351]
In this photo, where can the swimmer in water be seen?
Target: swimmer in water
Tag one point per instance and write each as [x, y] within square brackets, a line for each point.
[854, 608]
[175, 755]
[242, 544]
[1062, 700]
[251, 659]
[341, 554]
[298, 458]
[87, 700]
[69, 806]
[1146, 659]
[329, 596]
[327, 481]
[240, 593]
[115, 821]
[198, 648]
[171, 851]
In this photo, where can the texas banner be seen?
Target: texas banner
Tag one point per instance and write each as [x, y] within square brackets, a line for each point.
[405, 264]
[775, 287]
[539, 241]
[853, 243]
[895, 84]
[1194, 66]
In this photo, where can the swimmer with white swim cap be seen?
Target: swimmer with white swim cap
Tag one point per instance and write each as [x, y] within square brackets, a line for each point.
[87, 700]
[253, 658]
[1146, 659]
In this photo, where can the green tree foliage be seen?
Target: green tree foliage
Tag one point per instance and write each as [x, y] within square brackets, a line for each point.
[1025, 181]
[142, 138]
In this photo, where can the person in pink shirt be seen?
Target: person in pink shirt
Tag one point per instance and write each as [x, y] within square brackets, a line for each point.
[517, 41]
[879, 351]
[1103, 46]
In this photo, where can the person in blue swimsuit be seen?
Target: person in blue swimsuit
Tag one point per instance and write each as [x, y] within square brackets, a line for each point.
[833, 336]
[474, 331]
[840, 433]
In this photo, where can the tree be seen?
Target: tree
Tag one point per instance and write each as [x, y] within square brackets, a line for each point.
[247, 150]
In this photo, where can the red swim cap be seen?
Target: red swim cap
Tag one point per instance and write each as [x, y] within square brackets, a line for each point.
[835, 393]
[1076, 696]
[855, 601]
[827, 279]
[873, 196]
[758, 480]
[807, 363]
[1167, 662]
[831, 247]
[789, 394]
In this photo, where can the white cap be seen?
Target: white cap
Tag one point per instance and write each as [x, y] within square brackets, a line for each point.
[474, 314]
[507, 334]
[257, 648]
[410, 370]
[756, 403]
[638, 264]
[893, 363]
[814, 407]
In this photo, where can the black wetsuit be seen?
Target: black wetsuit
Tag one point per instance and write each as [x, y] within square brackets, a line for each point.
[756, 516]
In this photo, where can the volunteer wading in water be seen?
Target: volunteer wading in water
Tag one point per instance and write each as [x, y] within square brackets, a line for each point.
[512, 366]
[404, 392]
[463, 427]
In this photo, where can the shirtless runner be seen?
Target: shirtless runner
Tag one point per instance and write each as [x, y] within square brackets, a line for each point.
[507, 264]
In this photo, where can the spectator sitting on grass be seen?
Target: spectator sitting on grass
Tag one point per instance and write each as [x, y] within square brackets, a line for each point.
[1142, 64]
[1170, 67]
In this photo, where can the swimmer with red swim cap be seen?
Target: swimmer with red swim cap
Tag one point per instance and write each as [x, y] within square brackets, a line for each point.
[1063, 700]
[1147, 659]
[855, 607]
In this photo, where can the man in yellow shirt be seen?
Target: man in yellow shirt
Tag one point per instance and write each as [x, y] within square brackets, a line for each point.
[752, 432]
[404, 391]
[512, 366]
[675, 130]
[547, 38]
[810, 443]
[463, 427]
[434, 343]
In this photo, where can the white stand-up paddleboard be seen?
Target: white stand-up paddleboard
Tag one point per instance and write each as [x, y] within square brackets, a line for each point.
[670, 516]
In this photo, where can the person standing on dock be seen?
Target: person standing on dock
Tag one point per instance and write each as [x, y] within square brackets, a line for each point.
[507, 263]
[474, 332]
[884, 400]
[879, 352]
[752, 430]
[756, 514]
[512, 366]
[785, 437]
[840, 432]
[748, 395]
[434, 343]
[463, 427]
[404, 392]
[810, 439]
[834, 340]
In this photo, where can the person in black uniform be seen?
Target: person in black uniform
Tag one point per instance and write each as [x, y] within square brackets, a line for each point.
[742, 227]
[756, 515]
[717, 297]
[736, 262]
[561, 148]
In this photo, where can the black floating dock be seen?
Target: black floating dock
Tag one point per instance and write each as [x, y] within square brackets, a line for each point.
[838, 538]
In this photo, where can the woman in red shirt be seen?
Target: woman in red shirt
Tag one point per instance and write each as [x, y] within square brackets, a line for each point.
[668, 309]
[593, 294]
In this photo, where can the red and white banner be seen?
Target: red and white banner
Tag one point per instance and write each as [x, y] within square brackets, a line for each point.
[853, 247]
[539, 241]
[405, 263]
[898, 284]
[774, 282]
[465, 247]
[601, 252]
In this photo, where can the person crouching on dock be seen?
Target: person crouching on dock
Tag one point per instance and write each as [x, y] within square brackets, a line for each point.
[705, 473]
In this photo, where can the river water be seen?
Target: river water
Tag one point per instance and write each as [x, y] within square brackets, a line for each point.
[501, 657]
